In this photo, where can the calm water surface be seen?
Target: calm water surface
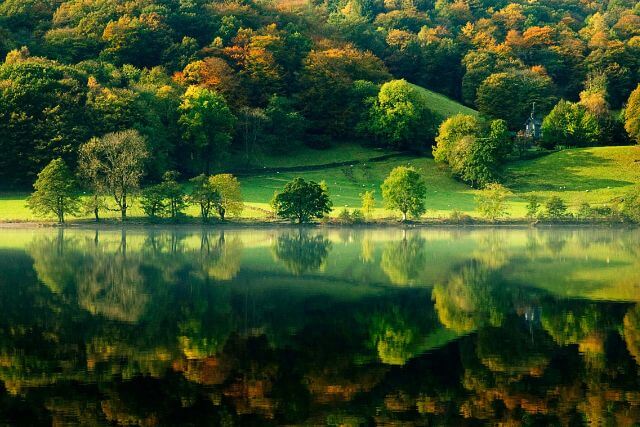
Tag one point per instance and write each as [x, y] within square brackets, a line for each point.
[320, 327]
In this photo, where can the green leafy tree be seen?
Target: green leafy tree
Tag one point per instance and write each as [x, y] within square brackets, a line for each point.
[229, 200]
[55, 192]
[42, 116]
[404, 190]
[204, 195]
[401, 117]
[328, 77]
[115, 164]
[207, 124]
[94, 204]
[474, 153]
[451, 131]
[301, 201]
[284, 125]
[153, 201]
[509, 95]
[138, 40]
[632, 115]
[492, 201]
[533, 206]
[570, 124]
[556, 208]
[368, 203]
[174, 193]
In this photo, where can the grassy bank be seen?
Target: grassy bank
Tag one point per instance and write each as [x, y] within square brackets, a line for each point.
[594, 175]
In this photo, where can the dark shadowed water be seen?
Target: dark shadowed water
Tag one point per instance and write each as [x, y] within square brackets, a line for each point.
[320, 327]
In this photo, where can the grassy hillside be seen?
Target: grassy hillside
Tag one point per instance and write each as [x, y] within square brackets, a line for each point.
[444, 106]
[595, 175]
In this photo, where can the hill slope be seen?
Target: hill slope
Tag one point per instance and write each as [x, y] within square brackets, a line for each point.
[446, 107]
[595, 175]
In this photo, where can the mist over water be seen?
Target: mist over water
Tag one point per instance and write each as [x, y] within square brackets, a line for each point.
[320, 326]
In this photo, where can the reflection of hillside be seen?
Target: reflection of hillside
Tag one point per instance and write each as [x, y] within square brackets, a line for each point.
[171, 327]
[632, 332]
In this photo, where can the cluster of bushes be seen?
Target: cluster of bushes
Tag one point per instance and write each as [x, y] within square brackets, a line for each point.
[216, 193]
[492, 205]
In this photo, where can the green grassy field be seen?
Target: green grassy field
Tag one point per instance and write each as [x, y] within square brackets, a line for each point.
[595, 175]
[445, 106]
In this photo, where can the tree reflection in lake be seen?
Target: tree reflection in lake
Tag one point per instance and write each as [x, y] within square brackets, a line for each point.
[403, 260]
[227, 327]
[301, 252]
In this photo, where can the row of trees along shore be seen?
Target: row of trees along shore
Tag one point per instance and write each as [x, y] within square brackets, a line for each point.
[112, 167]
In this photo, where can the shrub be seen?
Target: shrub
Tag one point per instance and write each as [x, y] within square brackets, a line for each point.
[556, 208]
[585, 211]
[357, 217]
[344, 216]
[533, 206]
[492, 201]
[152, 201]
[459, 217]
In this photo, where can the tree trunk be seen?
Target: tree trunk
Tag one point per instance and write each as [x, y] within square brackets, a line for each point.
[96, 212]
[123, 208]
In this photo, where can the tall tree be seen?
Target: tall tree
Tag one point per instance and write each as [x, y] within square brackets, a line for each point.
[404, 189]
[55, 192]
[229, 200]
[115, 165]
[509, 95]
[42, 116]
[401, 117]
[570, 124]
[207, 124]
[301, 201]
[632, 115]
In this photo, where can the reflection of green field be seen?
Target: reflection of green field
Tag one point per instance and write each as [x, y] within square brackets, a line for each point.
[598, 264]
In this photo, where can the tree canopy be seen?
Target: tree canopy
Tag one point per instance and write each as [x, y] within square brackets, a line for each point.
[301, 201]
[404, 190]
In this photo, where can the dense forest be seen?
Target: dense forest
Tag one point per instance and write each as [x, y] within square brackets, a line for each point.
[210, 83]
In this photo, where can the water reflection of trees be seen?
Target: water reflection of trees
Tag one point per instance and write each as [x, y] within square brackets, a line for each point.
[404, 260]
[301, 252]
[200, 348]
[473, 296]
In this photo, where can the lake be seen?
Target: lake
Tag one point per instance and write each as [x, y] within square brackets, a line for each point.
[443, 326]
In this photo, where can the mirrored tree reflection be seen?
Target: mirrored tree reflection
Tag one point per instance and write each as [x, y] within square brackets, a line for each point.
[176, 326]
[472, 297]
[404, 260]
[632, 332]
[301, 252]
[105, 280]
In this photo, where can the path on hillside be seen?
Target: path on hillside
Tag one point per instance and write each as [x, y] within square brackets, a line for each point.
[244, 172]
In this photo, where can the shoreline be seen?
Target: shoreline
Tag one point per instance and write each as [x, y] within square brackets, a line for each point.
[111, 224]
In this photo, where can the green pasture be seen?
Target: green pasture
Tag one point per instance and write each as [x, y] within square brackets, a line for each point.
[596, 175]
